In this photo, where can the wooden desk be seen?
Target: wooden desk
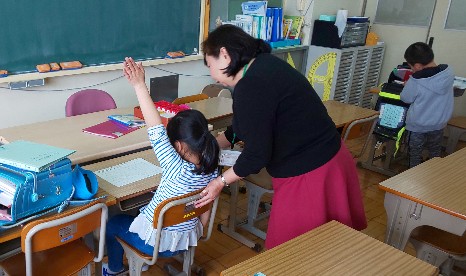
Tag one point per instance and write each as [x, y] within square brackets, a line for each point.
[432, 193]
[135, 194]
[342, 113]
[67, 132]
[374, 90]
[217, 110]
[332, 249]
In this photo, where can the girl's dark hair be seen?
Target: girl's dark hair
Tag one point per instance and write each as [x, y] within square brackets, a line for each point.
[190, 126]
[240, 46]
[419, 52]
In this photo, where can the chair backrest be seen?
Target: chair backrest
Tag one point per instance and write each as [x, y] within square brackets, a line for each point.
[191, 98]
[180, 209]
[225, 93]
[64, 228]
[358, 129]
[87, 101]
[212, 90]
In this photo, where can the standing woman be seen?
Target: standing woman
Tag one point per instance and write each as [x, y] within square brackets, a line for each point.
[286, 129]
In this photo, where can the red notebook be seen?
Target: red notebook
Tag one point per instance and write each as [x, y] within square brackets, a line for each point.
[109, 129]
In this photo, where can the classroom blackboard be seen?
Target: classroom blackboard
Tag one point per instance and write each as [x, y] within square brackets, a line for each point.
[95, 32]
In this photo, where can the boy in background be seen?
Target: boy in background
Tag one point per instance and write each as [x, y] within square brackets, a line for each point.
[430, 92]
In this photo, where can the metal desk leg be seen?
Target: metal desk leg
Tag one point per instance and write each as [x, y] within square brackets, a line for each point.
[230, 229]
[403, 215]
[454, 134]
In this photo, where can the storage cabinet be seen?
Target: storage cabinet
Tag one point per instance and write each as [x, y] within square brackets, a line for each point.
[295, 55]
[347, 74]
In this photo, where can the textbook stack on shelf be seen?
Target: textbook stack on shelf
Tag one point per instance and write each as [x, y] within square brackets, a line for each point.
[268, 23]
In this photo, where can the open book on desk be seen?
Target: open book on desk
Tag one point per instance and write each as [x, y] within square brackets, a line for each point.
[31, 156]
[109, 129]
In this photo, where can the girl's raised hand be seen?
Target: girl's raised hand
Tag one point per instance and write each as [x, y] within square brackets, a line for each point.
[134, 72]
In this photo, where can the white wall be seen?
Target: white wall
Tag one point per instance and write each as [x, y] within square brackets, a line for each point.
[19, 107]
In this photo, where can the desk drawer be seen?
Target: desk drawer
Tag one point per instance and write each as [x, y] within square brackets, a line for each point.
[135, 202]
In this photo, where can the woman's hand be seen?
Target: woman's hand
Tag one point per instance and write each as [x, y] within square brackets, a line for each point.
[134, 72]
[210, 193]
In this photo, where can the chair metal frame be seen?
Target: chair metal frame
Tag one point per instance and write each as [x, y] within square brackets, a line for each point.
[256, 185]
[170, 212]
[53, 226]
[438, 247]
[360, 128]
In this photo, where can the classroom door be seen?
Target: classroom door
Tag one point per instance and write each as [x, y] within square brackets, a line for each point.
[449, 45]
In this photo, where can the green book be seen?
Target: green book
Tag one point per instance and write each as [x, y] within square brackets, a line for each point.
[31, 156]
[296, 25]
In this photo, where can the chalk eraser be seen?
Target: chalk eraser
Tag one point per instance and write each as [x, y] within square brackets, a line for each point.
[42, 68]
[70, 65]
[177, 54]
[54, 66]
[3, 73]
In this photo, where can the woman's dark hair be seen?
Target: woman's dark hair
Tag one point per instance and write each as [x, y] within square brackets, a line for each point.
[419, 52]
[190, 126]
[240, 46]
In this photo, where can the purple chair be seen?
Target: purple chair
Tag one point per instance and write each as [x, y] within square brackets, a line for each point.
[88, 101]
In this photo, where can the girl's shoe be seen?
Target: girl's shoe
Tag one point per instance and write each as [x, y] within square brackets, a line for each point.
[107, 272]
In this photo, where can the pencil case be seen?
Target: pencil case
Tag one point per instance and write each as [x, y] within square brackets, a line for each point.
[3, 73]
[70, 65]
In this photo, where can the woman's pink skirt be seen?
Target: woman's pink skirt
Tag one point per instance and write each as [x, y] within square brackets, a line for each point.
[302, 203]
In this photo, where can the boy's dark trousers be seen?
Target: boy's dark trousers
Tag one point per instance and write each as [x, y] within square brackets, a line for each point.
[419, 141]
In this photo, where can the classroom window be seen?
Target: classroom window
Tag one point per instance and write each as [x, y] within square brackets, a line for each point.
[456, 18]
[405, 12]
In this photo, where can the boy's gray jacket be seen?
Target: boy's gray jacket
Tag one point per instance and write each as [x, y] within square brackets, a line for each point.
[431, 101]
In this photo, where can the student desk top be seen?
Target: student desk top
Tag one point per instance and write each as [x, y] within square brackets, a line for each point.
[218, 110]
[332, 249]
[67, 132]
[343, 113]
[432, 193]
[132, 195]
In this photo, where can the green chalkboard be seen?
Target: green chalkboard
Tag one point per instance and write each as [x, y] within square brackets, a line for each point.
[94, 32]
